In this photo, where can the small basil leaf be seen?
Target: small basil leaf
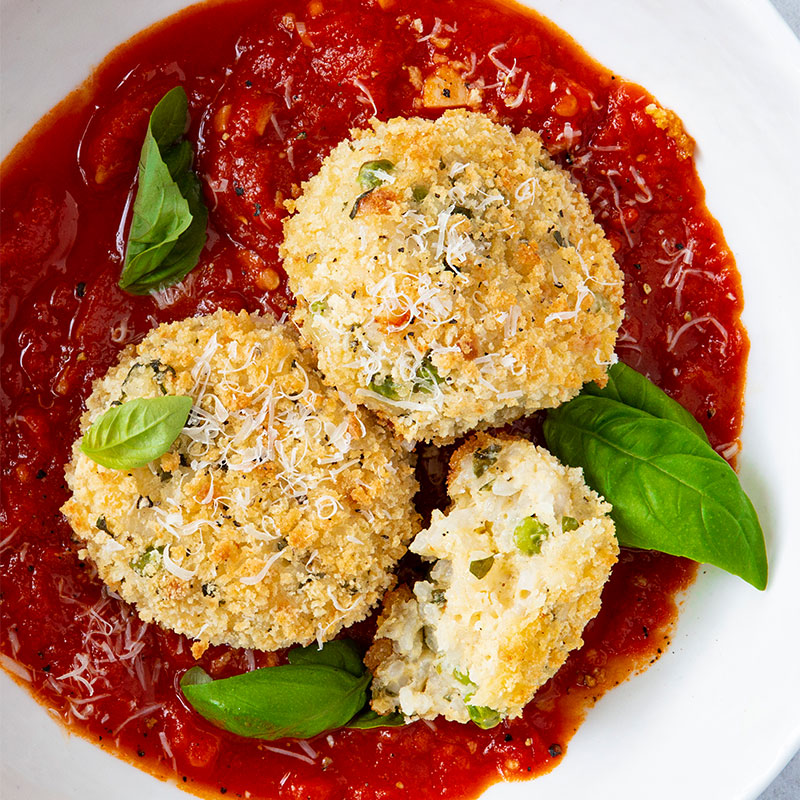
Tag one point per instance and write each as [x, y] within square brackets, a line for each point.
[274, 702]
[168, 227]
[669, 489]
[342, 654]
[134, 433]
[630, 387]
[186, 251]
[368, 719]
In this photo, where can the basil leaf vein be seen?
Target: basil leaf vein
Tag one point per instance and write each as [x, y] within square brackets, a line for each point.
[168, 227]
[132, 434]
[630, 387]
[296, 700]
[669, 489]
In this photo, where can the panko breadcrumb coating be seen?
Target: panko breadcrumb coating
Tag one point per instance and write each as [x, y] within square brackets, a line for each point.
[520, 560]
[450, 276]
[278, 514]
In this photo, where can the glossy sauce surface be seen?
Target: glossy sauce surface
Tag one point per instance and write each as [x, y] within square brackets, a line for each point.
[269, 98]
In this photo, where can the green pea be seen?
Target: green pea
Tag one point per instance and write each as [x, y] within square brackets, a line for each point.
[529, 535]
[484, 717]
[372, 174]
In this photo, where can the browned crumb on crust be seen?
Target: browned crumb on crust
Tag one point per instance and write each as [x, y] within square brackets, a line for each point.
[672, 124]
[381, 649]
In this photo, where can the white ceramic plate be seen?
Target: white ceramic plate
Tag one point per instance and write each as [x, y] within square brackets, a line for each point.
[719, 714]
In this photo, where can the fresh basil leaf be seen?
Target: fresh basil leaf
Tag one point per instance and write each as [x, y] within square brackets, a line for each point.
[669, 489]
[300, 700]
[168, 227]
[168, 118]
[195, 676]
[132, 434]
[368, 719]
[186, 251]
[630, 387]
[342, 654]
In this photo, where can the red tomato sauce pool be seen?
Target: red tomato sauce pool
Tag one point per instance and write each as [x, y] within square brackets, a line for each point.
[273, 86]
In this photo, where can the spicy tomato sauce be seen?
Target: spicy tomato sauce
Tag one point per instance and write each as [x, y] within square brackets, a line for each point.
[273, 86]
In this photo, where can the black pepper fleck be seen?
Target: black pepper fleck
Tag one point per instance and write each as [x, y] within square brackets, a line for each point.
[554, 750]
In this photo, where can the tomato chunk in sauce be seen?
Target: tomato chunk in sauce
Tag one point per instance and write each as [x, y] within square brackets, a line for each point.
[273, 86]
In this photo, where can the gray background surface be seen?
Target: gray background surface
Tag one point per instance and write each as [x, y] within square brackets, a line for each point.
[787, 784]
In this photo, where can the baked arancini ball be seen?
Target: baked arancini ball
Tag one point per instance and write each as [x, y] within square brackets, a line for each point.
[519, 562]
[450, 276]
[278, 514]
